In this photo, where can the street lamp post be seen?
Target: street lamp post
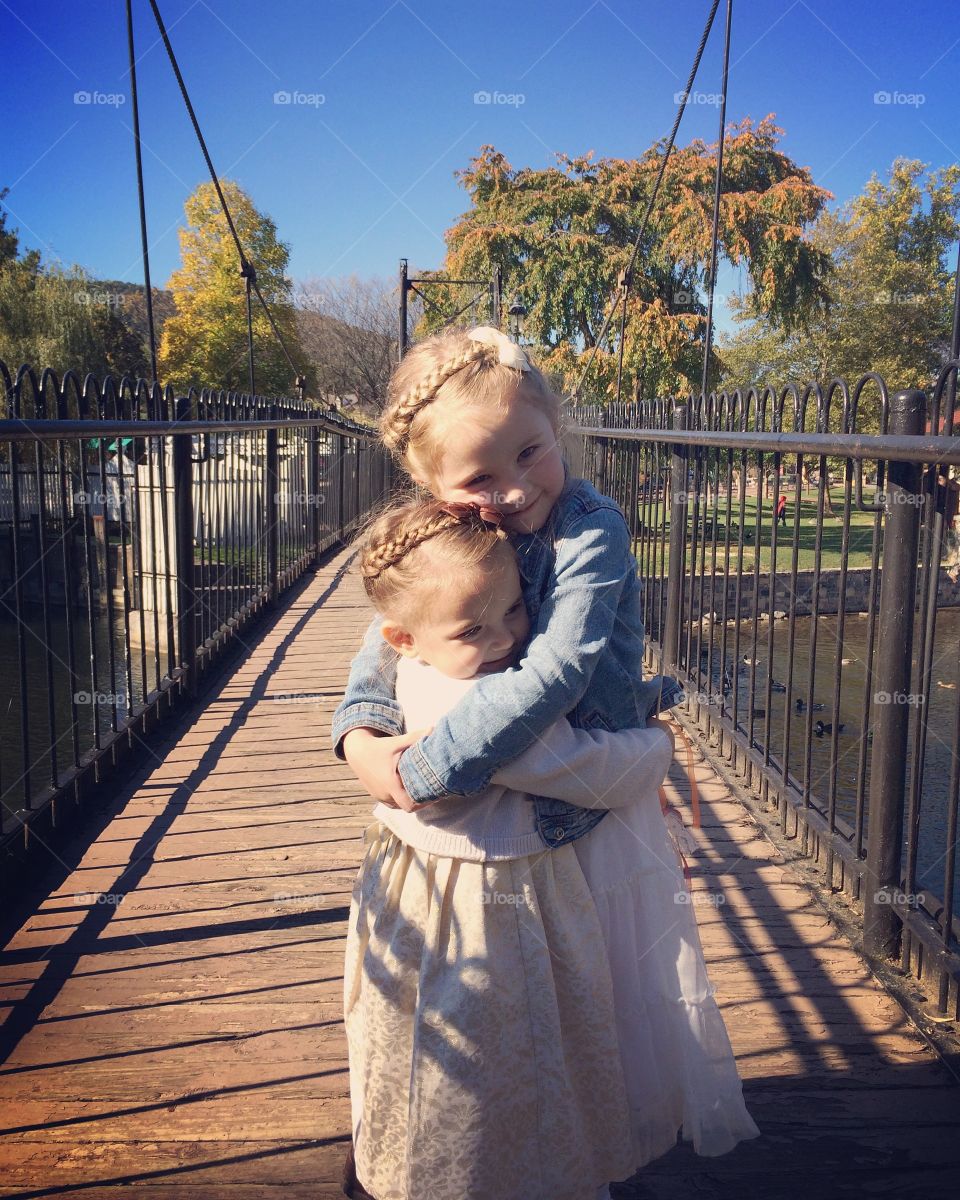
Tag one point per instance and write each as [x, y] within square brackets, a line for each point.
[517, 312]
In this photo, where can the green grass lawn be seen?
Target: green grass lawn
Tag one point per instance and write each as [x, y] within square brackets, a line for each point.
[228, 556]
[859, 545]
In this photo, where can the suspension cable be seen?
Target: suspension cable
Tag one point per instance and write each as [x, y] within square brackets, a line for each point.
[628, 274]
[247, 269]
[717, 184]
[148, 294]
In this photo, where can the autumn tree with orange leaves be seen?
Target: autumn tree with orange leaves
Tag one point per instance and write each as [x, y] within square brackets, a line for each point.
[562, 235]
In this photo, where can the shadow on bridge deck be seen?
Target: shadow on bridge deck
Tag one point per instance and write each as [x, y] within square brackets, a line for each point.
[173, 1003]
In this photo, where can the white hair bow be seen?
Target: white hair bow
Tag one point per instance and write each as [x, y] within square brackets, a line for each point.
[508, 352]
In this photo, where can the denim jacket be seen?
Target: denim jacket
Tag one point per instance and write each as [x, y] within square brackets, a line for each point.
[583, 660]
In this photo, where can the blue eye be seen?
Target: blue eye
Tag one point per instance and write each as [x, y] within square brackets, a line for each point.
[525, 454]
[469, 634]
[474, 482]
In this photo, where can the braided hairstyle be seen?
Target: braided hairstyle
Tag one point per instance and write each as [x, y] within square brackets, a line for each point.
[399, 415]
[450, 367]
[391, 562]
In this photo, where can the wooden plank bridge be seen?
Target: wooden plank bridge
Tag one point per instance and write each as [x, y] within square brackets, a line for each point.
[172, 998]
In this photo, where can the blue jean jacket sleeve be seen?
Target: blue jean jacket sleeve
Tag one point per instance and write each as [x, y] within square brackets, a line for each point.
[369, 701]
[505, 713]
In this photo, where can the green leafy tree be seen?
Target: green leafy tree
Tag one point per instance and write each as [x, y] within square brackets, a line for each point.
[891, 292]
[62, 318]
[205, 341]
[19, 309]
[9, 242]
[563, 234]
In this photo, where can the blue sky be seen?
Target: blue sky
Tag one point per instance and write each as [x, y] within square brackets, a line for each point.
[357, 170]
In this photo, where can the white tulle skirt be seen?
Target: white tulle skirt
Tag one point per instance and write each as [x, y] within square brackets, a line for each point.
[679, 1068]
[482, 1039]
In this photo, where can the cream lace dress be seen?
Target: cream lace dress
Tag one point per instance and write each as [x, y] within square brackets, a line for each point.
[478, 1003]
[525, 1023]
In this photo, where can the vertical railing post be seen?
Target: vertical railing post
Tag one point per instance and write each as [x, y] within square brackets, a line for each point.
[272, 509]
[341, 491]
[358, 481]
[183, 537]
[679, 457]
[314, 496]
[892, 676]
[404, 287]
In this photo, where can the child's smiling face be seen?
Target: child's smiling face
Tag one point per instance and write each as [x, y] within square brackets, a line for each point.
[473, 622]
[505, 457]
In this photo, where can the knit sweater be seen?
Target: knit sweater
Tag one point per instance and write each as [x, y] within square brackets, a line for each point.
[592, 768]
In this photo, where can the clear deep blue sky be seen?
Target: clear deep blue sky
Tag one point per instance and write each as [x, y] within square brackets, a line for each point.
[366, 176]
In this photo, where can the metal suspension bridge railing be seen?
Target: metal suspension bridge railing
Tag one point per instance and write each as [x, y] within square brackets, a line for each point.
[140, 532]
[816, 631]
[820, 648]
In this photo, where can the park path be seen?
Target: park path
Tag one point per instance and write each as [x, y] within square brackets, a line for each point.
[172, 1007]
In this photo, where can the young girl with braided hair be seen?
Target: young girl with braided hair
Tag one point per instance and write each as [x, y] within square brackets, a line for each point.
[473, 421]
[478, 1002]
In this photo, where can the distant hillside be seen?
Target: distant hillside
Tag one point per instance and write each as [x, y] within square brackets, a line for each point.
[351, 364]
[132, 306]
[331, 347]
[315, 330]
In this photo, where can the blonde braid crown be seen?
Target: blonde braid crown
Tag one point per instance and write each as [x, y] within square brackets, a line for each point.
[390, 572]
[378, 556]
[402, 412]
[409, 395]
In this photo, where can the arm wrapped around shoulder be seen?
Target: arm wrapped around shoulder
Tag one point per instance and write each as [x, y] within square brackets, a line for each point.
[592, 768]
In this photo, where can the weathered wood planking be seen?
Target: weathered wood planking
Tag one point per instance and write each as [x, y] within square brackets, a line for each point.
[184, 1039]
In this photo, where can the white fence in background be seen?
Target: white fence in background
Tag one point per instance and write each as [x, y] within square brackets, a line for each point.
[229, 500]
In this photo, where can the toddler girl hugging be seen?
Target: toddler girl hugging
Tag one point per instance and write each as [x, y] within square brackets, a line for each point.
[478, 1001]
[474, 422]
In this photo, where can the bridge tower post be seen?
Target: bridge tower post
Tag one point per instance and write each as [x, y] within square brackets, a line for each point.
[187, 607]
[892, 682]
[677, 501]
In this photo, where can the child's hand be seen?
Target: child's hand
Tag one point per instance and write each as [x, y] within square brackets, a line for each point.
[373, 758]
[659, 723]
